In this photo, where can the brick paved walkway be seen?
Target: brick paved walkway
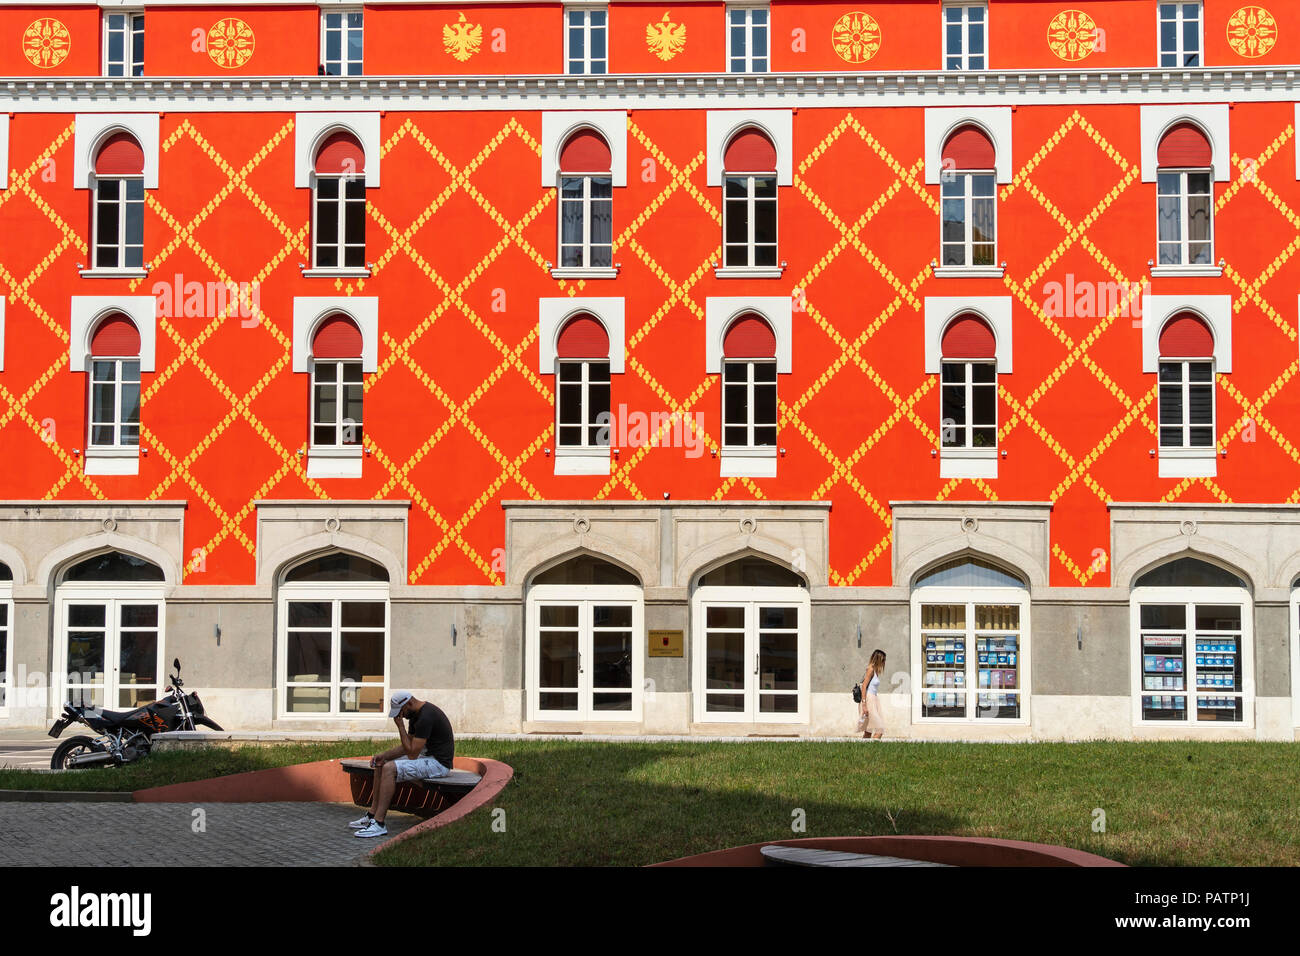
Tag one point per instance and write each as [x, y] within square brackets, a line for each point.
[160, 834]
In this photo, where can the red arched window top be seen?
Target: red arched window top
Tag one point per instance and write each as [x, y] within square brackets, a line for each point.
[337, 337]
[115, 336]
[749, 151]
[1186, 336]
[341, 154]
[1184, 144]
[583, 337]
[585, 152]
[968, 337]
[749, 337]
[969, 148]
[120, 155]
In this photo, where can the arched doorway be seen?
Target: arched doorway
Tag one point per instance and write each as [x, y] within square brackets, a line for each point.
[970, 638]
[585, 645]
[333, 623]
[750, 630]
[109, 614]
[1193, 646]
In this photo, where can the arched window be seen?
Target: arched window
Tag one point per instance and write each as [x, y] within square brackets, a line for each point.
[1193, 645]
[749, 201]
[586, 202]
[969, 193]
[1187, 386]
[336, 384]
[749, 386]
[333, 638]
[750, 627]
[1185, 203]
[585, 642]
[109, 617]
[582, 396]
[970, 627]
[117, 230]
[339, 203]
[114, 386]
[969, 386]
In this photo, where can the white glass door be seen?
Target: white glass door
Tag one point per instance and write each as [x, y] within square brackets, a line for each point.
[584, 653]
[112, 651]
[334, 652]
[751, 655]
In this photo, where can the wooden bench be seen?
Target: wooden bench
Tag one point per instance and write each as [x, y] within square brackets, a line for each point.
[776, 855]
[425, 798]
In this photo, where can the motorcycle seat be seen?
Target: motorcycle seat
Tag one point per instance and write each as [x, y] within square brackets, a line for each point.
[119, 716]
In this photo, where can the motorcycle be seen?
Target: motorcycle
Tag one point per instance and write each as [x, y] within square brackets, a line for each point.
[127, 735]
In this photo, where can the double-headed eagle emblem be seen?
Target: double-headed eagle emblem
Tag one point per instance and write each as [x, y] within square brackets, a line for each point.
[665, 39]
[461, 39]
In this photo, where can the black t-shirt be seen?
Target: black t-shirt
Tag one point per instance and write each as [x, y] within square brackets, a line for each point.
[432, 725]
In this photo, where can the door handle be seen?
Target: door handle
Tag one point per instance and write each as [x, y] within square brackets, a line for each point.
[756, 663]
[579, 662]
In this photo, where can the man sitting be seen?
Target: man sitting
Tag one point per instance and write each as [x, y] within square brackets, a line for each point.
[427, 750]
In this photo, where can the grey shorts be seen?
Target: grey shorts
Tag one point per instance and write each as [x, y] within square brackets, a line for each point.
[421, 768]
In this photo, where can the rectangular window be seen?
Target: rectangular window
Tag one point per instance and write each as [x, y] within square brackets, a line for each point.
[335, 654]
[1180, 34]
[339, 230]
[973, 660]
[114, 403]
[336, 405]
[970, 405]
[586, 222]
[964, 36]
[582, 405]
[969, 219]
[1185, 214]
[1187, 405]
[124, 44]
[1192, 646]
[749, 221]
[749, 403]
[585, 41]
[341, 43]
[118, 228]
[747, 39]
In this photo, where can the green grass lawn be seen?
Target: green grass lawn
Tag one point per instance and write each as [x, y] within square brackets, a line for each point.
[593, 803]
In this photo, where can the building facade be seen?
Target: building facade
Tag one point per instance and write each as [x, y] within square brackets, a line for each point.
[612, 367]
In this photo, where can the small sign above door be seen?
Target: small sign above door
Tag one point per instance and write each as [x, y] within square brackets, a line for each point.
[667, 643]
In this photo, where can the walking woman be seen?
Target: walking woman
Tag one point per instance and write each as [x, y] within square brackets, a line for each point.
[869, 717]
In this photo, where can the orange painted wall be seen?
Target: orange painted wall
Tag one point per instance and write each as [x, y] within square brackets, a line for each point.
[908, 30]
[286, 40]
[82, 56]
[457, 415]
[1285, 34]
[706, 44]
[407, 39]
[1018, 35]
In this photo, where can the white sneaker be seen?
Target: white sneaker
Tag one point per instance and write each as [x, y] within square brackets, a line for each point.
[360, 823]
[375, 829]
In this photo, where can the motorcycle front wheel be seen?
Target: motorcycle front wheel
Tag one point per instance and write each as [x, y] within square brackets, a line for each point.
[74, 747]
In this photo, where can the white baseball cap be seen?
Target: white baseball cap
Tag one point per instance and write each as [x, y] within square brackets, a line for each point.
[398, 701]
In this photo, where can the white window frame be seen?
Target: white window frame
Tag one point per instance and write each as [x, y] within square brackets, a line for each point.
[587, 202]
[343, 30]
[1179, 51]
[113, 594]
[968, 199]
[117, 447]
[750, 268]
[586, 61]
[122, 244]
[342, 423]
[750, 425]
[749, 57]
[588, 420]
[969, 460]
[970, 597]
[341, 246]
[1185, 449]
[1183, 196]
[335, 593]
[7, 682]
[134, 23]
[964, 53]
[1192, 597]
[586, 596]
[1294, 630]
[752, 598]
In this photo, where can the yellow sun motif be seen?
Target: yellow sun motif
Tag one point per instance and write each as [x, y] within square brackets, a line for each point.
[1072, 35]
[230, 43]
[1252, 32]
[461, 39]
[856, 37]
[665, 39]
[46, 43]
